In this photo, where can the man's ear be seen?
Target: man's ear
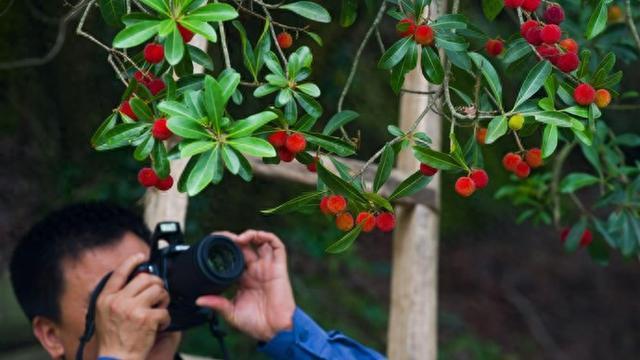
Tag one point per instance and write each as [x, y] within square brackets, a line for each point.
[48, 333]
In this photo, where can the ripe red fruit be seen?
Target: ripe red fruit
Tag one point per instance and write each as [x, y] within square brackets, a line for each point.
[406, 27]
[494, 47]
[528, 25]
[548, 52]
[603, 98]
[513, 4]
[568, 62]
[160, 130]
[296, 143]
[386, 222]
[143, 78]
[285, 40]
[186, 34]
[481, 135]
[465, 186]
[569, 45]
[153, 53]
[368, 221]
[164, 184]
[480, 178]
[313, 166]
[522, 170]
[510, 161]
[554, 14]
[285, 155]
[530, 5]
[323, 205]
[551, 34]
[336, 204]
[534, 36]
[585, 240]
[344, 221]
[584, 94]
[533, 157]
[147, 177]
[125, 108]
[156, 86]
[278, 139]
[427, 170]
[424, 35]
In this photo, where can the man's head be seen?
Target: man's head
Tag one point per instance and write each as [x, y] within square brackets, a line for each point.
[61, 259]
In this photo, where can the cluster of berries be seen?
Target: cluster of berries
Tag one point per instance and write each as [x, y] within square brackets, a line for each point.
[288, 145]
[465, 185]
[514, 163]
[148, 178]
[422, 33]
[585, 95]
[285, 40]
[336, 205]
[585, 240]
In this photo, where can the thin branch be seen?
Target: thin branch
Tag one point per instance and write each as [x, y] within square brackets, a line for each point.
[275, 38]
[116, 69]
[223, 43]
[631, 24]
[555, 181]
[6, 9]
[281, 25]
[380, 43]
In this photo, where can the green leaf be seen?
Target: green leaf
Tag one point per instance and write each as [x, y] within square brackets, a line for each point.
[200, 27]
[310, 89]
[556, 118]
[187, 128]
[491, 8]
[309, 10]
[309, 104]
[121, 135]
[231, 159]
[407, 64]
[143, 150]
[159, 160]
[549, 140]
[576, 181]
[348, 12]
[140, 108]
[246, 127]
[136, 34]
[496, 129]
[384, 167]
[431, 66]
[573, 238]
[334, 145]
[253, 146]
[229, 79]
[534, 81]
[379, 201]
[410, 185]
[174, 47]
[345, 241]
[191, 148]
[203, 171]
[175, 108]
[450, 22]
[436, 159]
[213, 12]
[157, 5]
[200, 57]
[338, 120]
[106, 125]
[516, 50]
[395, 53]
[338, 185]
[295, 203]
[213, 101]
[112, 11]
[490, 75]
[598, 20]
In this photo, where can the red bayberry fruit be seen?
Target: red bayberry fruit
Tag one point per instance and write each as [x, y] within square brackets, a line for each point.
[551, 34]
[568, 62]
[313, 166]
[528, 25]
[285, 155]
[513, 4]
[554, 14]
[153, 53]
[530, 5]
[465, 186]
[164, 184]
[427, 170]
[480, 178]
[615, 14]
[368, 221]
[406, 27]
[603, 98]
[285, 40]
[125, 108]
[143, 78]
[534, 36]
[569, 45]
[278, 139]
[424, 35]
[533, 157]
[585, 240]
[386, 222]
[156, 86]
[494, 47]
[510, 161]
[147, 177]
[336, 204]
[481, 135]
[344, 221]
[296, 143]
[584, 94]
[160, 130]
[522, 170]
[186, 34]
[548, 52]
[323, 205]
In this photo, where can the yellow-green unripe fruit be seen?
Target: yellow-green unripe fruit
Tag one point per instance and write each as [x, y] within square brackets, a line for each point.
[516, 122]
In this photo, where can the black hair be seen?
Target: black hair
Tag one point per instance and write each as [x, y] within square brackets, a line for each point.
[36, 265]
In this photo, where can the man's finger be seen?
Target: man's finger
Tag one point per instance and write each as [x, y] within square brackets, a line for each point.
[160, 317]
[228, 234]
[121, 273]
[139, 283]
[258, 238]
[153, 295]
[219, 304]
[266, 252]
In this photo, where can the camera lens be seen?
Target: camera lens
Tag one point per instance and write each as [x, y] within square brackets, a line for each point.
[221, 258]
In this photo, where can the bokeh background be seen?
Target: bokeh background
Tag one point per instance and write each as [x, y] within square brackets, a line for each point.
[507, 290]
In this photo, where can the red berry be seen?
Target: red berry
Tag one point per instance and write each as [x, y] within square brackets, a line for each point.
[480, 178]
[530, 5]
[554, 14]
[585, 240]
[568, 62]
[186, 34]
[534, 36]
[143, 78]
[160, 130]
[164, 184]
[278, 139]
[296, 143]
[528, 25]
[522, 170]
[513, 4]
[548, 52]
[424, 35]
[147, 177]
[406, 27]
[156, 86]
[510, 161]
[533, 157]
[551, 34]
[285, 40]
[153, 53]
[465, 186]
[285, 155]
[386, 222]
[569, 45]
[336, 204]
[494, 47]
[313, 166]
[125, 108]
[481, 135]
[584, 94]
[344, 221]
[323, 205]
[368, 221]
[603, 98]
[427, 170]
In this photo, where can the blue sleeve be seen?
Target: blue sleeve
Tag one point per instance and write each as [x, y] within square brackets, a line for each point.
[307, 340]
[106, 358]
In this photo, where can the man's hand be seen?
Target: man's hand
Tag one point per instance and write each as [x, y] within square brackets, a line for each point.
[129, 315]
[264, 303]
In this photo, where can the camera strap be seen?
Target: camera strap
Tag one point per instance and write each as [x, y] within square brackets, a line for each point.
[90, 319]
[219, 334]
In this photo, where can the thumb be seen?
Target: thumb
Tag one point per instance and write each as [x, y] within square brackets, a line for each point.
[219, 304]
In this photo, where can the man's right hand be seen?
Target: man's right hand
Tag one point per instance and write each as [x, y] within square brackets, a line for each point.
[129, 315]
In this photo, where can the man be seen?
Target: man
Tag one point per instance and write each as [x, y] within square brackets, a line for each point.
[62, 258]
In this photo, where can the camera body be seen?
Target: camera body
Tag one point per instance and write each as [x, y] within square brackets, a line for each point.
[207, 267]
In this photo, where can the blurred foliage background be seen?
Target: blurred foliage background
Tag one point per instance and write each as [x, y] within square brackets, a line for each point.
[507, 291]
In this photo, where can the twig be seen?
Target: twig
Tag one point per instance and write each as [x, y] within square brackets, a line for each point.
[275, 39]
[555, 181]
[281, 25]
[380, 43]
[631, 24]
[6, 9]
[116, 69]
[223, 43]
